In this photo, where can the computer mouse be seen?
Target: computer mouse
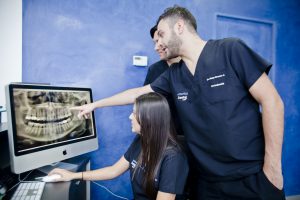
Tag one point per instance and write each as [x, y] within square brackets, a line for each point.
[2, 189]
[51, 178]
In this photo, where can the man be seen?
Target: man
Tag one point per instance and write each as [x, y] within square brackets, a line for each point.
[218, 89]
[156, 69]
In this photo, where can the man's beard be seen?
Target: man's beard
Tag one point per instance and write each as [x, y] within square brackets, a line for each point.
[174, 45]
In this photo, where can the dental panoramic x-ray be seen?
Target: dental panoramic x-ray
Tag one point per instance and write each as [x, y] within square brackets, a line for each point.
[44, 117]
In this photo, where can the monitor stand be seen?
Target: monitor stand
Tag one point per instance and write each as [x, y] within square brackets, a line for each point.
[63, 165]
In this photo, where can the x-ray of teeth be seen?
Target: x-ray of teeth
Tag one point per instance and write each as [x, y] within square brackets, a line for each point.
[44, 117]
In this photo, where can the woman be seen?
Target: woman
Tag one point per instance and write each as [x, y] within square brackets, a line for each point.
[158, 167]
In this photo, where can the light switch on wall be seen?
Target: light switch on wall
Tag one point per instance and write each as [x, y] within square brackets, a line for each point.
[140, 61]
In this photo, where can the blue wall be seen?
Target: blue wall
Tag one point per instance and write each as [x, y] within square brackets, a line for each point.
[91, 44]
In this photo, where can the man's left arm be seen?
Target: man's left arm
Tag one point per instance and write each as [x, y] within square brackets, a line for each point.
[273, 123]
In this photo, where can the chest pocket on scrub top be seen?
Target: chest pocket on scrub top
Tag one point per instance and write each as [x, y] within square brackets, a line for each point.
[216, 87]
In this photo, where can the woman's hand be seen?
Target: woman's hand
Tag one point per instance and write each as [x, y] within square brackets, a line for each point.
[65, 174]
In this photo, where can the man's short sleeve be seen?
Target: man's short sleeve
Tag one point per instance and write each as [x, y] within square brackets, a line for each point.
[147, 79]
[247, 64]
[162, 83]
[173, 174]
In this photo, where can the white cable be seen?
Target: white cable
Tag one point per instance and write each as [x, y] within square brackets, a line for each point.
[109, 191]
[25, 176]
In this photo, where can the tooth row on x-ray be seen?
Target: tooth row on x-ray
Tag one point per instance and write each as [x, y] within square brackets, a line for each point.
[48, 114]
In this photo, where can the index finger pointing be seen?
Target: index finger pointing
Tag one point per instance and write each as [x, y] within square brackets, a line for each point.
[75, 108]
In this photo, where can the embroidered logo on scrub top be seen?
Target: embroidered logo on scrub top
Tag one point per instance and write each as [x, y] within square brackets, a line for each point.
[133, 164]
[216, 77]
[182, 96]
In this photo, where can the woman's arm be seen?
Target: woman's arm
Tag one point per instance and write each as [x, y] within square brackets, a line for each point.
[165, 196]
[100, 174]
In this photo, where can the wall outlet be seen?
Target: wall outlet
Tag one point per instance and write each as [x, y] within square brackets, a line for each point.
[140, 61]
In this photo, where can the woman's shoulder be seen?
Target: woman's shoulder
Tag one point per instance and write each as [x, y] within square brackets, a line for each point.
[134, 148]
[175, 160]
[174, 151]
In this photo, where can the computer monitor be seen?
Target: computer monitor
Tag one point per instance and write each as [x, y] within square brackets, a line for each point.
[43, 129]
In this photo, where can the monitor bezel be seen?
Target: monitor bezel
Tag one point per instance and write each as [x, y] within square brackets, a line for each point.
[44, 87]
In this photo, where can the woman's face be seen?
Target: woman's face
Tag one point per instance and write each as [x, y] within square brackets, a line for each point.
[135, 126]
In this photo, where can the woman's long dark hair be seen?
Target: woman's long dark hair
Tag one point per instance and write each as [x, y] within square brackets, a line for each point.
[157, 133]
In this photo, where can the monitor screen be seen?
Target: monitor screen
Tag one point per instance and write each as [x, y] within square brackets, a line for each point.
[41, 123]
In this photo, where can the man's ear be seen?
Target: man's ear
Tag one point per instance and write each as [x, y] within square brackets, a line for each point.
[179, 26]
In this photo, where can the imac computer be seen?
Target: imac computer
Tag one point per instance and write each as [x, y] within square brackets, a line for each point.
[42, 128]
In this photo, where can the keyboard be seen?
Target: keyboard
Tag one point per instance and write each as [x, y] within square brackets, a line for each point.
[29, 191]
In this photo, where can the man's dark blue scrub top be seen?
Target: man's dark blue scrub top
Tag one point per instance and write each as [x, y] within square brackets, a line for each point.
[154, 71]
[220, 119]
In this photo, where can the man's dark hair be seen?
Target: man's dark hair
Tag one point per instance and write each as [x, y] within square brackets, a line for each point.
[176, 12]
[152, 31]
